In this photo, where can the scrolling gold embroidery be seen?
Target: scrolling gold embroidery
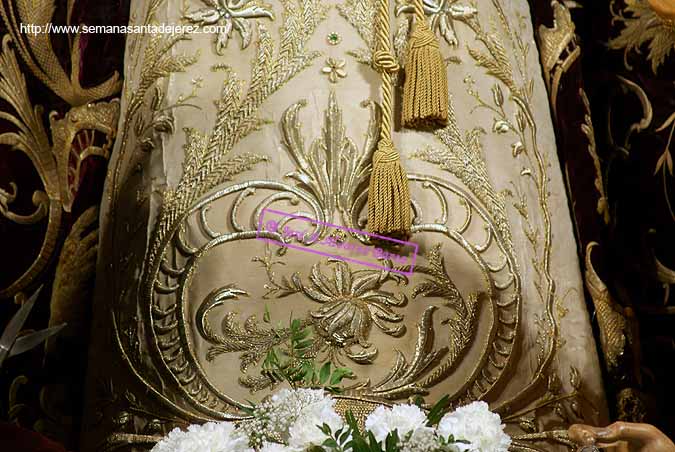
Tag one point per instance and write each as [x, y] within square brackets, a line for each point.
[208, 164]
[643, 24]
[558, 48]
[587, 129]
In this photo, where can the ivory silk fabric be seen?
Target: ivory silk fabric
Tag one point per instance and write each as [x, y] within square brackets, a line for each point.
[281, 112]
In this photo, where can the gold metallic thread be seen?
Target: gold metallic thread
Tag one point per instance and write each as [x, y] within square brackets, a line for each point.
[425, 92]
[388, 194]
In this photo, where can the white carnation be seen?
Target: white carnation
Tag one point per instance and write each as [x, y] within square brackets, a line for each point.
[305, 430]
[423, 439]
[478, 425]
[210, 437]
[403, 418]
[275, 447]
[274, 417]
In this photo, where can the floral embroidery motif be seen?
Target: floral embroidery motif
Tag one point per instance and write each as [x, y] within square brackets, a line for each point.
[335, 69]
[442, 14]
[230, 15]
[352, 303]
[644, 22]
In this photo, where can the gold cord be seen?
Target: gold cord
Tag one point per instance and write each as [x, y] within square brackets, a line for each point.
[385, 63]
[388, 194]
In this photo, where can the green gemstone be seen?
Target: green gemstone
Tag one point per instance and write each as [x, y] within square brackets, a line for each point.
[333, 38]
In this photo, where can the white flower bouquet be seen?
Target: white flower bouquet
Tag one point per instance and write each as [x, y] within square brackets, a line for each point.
[305, 420]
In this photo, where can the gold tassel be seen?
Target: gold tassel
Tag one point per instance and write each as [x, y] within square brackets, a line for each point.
[425, 91]
[389, 211]
[388, 194]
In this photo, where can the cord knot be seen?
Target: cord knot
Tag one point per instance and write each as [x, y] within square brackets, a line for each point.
[385, 152]
[385, 62]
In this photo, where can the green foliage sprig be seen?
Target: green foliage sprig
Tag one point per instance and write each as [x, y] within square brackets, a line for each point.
[293, 361]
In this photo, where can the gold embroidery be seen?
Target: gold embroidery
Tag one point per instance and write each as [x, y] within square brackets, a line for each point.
[665, 162]
[630, 407]
[442, 14]
[558, 49]
[85, 130]
[666, 276]
[157, 61]
[285, 286]
[361, 15]
[463, 157]
[404, 378]
[642, 24]
[71, 292]
[326, 184]
[327, 179]
[463, 321]
[37, 52]
[335, 69]
[351, 303]
[587, 129]
[497, 63]
[612, 322]
[208, 164]
[251, 339]
[230, 15]
[332, 169]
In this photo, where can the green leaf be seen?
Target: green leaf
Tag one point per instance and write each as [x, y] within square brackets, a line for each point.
[266, 316]
[344, 436]
[303, 345]
[351, 420]
[324, 374]
[249, 410]
[296, 324]
[374, 444]
[391, 441]
[330, 442]
[438, 411]
[325, 429]
[339, 374]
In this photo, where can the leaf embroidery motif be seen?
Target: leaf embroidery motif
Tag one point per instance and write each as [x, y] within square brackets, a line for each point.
[644, 25]
[230, 15]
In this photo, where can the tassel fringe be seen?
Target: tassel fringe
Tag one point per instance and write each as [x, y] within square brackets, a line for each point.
[425, 92]
[388, 195]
